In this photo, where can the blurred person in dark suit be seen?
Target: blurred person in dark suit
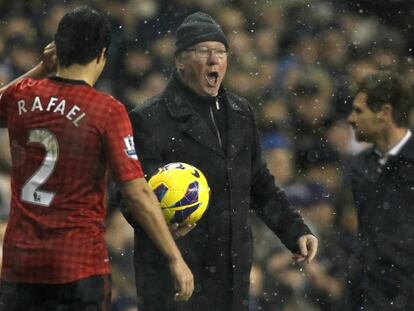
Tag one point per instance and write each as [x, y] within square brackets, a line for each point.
[382, 275]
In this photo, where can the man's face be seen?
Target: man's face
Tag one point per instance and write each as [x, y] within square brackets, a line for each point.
[203, 66]
[366, 123]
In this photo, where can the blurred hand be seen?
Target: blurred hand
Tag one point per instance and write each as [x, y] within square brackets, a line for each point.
[308, 246]
[178, 231]
[49, 58]
[315, 269]
[184, 280]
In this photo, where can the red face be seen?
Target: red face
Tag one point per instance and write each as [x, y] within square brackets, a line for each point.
[203, 67]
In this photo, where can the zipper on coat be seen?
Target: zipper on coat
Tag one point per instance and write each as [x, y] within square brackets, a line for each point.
[214, 123]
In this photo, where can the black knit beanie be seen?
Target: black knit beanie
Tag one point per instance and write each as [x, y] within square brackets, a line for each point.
[198, 27]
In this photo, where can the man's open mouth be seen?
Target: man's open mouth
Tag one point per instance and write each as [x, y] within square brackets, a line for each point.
[212, 78]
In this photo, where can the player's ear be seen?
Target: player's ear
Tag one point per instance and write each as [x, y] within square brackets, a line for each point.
[386, 112]
[101, 56]
[179, 62]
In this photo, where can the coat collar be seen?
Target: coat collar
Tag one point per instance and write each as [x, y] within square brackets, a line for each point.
[177, 99]
[407, 151]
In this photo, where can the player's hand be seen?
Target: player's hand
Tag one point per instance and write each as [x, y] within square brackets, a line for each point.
[49, 58]
[308, 246]
[178, 231]
[184, 280]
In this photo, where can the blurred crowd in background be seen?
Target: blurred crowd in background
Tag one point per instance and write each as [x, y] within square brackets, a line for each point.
[297, 62]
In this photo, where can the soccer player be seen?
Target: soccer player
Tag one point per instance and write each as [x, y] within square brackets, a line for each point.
[64, 136]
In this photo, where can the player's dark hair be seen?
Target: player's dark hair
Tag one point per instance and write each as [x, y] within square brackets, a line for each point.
[81, 36]
[388, 88]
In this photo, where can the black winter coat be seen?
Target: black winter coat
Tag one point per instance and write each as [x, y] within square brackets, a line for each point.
[219, 250]
[384, 199]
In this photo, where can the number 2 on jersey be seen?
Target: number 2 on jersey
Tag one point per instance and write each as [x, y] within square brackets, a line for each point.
[30, 191]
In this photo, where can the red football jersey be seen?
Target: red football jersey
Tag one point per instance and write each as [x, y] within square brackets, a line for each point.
[64, 135]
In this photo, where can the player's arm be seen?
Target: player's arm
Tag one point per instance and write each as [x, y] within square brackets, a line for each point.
[46, 66]
[272, 206]
[143, 206]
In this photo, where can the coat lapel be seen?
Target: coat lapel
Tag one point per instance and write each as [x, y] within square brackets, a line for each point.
[191, 123]
[236, 123]
[200, 132]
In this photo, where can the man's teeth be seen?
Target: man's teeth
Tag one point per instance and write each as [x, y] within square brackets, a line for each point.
[212, 76]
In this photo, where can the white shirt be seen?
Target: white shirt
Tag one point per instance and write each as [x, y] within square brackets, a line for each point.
[394, 150]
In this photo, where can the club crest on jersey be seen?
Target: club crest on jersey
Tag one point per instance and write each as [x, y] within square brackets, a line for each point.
[130, 147]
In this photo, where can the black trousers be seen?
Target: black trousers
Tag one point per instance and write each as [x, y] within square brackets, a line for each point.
[89, 294]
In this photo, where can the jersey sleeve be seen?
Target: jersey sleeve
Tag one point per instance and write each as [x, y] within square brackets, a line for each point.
[2, 109]
[7, 96]
[120, 147]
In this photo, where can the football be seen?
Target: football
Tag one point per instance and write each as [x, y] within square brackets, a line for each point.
[183, 192]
